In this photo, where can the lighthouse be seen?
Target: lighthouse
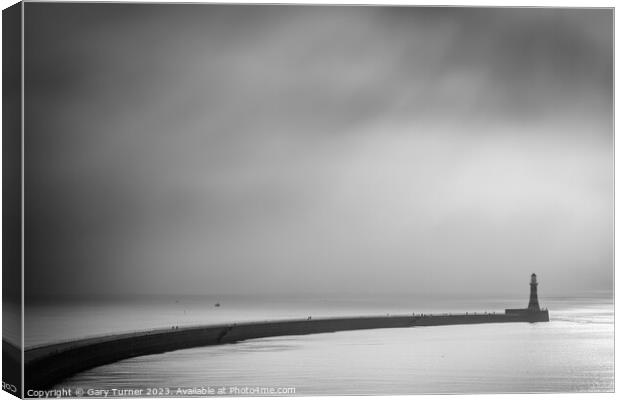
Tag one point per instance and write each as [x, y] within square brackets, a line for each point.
[533, 305]
[532, 313]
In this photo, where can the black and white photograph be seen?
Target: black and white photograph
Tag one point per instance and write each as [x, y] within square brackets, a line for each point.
[292, 200]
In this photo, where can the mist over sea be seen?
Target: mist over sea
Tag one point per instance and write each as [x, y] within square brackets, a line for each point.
[571, 353]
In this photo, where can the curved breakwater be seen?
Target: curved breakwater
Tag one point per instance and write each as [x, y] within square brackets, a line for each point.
[49, 364]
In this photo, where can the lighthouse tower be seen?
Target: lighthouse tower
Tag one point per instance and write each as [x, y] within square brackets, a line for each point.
[532, 313]
[533, 306]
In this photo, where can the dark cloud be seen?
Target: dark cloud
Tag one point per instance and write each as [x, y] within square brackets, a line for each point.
[219, 148]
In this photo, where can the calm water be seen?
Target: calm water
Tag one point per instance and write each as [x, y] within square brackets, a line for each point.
[573, 352]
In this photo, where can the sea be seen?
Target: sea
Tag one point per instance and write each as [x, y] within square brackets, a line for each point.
[574, 352]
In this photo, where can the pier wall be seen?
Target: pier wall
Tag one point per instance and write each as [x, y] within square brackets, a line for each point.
[48, 365]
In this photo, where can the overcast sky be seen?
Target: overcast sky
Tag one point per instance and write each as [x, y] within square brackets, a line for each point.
[203, 149]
